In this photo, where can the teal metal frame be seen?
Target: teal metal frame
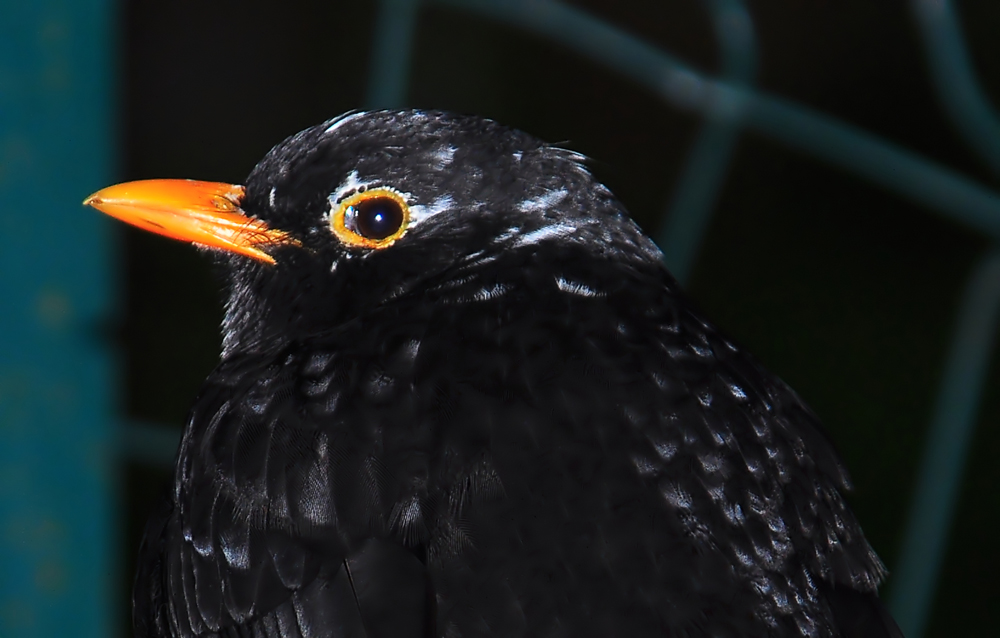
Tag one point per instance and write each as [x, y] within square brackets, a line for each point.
[58, 533]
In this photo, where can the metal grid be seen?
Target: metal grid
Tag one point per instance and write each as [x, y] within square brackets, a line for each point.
[728, 104]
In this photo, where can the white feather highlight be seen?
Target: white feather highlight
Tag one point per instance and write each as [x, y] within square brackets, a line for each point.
[419, 212]
[575, 288]
[543, 202]
[337, 123]
[555, 231]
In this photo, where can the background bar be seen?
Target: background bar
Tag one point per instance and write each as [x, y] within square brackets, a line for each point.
[58, 553]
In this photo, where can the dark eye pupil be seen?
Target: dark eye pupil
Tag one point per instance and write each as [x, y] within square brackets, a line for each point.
[377, 218]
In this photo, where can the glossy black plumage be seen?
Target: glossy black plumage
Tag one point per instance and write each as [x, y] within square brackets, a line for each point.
[508, 423]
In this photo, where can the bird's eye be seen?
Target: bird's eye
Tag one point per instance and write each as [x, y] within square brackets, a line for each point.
[372, 218]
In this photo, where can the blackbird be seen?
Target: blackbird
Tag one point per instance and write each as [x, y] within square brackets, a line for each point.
[460, 395]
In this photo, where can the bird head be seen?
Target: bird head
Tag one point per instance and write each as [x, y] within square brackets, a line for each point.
[370, 207]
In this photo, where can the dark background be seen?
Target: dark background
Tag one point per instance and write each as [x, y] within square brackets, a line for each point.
[846, 291]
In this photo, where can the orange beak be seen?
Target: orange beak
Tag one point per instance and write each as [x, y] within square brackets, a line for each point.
[206, 213]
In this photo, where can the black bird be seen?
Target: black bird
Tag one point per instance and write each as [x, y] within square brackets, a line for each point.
[460, 396]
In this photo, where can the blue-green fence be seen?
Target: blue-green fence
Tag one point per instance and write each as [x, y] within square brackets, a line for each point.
[729, 104]
[57, 375]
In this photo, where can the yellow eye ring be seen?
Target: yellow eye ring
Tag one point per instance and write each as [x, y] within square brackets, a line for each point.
[373, 218]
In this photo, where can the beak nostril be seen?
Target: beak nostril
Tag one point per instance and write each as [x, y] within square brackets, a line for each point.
[223, 204]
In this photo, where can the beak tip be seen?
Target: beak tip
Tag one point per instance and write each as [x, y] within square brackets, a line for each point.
[93, 200]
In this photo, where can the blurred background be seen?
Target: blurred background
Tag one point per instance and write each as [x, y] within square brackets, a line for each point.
[822, 175]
